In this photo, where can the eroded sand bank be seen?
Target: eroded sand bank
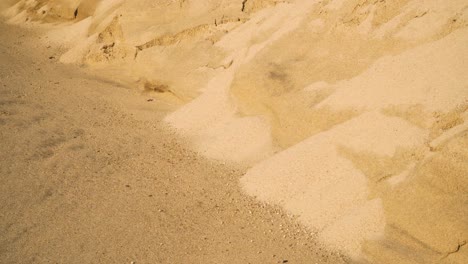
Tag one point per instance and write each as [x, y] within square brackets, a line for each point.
[90, 174]
[352, 115]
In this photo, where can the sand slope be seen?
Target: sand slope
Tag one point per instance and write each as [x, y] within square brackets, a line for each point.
[351, 114]
[90, 174]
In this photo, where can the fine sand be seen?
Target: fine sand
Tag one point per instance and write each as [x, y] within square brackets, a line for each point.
[89, 174]
[350, 115]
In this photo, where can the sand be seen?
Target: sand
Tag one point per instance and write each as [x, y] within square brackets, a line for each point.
[350, 115]
[90, 174]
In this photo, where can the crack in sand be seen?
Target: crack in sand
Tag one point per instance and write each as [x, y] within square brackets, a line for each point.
[456, 250]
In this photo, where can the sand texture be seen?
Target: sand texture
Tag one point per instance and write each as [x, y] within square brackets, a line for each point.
[350, 115]
[90, 174]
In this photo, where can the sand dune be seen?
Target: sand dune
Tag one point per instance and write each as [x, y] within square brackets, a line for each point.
[350, 114]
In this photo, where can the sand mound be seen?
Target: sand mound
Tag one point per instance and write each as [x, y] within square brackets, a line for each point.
[352, 114]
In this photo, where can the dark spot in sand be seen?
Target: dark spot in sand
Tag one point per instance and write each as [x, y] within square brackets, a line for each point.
[155, 87]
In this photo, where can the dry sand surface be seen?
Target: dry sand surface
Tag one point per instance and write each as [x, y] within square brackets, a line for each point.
[89, 174]
[350, 115]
